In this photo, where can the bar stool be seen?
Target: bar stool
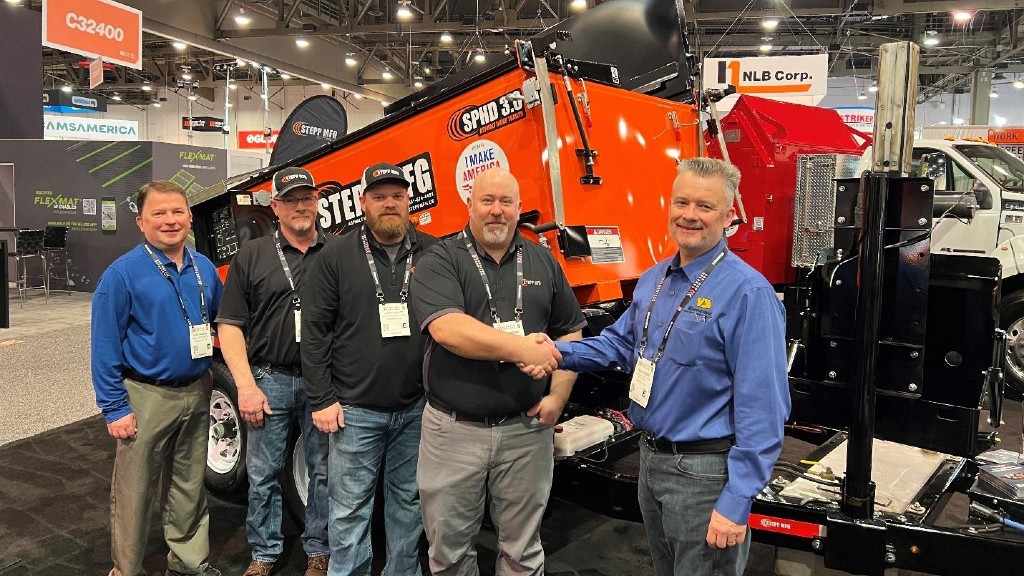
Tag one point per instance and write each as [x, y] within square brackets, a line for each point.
[55, 244]
[28, 245]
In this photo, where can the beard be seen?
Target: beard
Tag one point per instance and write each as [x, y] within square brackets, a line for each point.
[388, 229]
[495, 235]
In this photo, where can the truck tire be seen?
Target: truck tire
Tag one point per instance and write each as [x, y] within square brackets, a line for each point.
[296, 483]
[1011, 319]
[225, 455]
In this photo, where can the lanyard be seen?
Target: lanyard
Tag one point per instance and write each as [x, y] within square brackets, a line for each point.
[404, 294]
[487, 285]
[177, 292]
[686, 300]
[296, 302]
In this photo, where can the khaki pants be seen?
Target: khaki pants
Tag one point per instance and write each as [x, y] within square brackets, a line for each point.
[167, 459]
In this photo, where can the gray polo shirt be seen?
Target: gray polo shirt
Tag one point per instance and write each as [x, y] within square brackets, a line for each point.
[447, 280]
[258, 298]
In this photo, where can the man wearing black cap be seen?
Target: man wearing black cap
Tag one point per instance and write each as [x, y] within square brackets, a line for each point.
[362, 358]
[259, 328]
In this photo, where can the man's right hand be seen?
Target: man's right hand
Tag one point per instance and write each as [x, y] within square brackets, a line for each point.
[253, 404]
[539, 357]
[330, 419]
[124, 428]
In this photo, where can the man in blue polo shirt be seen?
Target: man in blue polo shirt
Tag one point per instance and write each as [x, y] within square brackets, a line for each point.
[705, 341]
[151, 351]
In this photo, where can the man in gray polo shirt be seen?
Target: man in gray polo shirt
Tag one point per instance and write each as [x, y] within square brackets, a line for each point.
[492, 397]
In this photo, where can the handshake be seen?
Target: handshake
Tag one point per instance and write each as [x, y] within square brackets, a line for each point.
[538, 357]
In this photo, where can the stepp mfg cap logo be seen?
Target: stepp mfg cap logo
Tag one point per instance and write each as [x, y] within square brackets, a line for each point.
[386, 172]
[290, 177]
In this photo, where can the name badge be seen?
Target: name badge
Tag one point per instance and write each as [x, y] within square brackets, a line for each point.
[394, 320]
[514, 327]
[643, 380]
[298, 325]
[200, 340]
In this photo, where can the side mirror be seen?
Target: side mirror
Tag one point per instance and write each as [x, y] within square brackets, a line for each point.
[983, 195]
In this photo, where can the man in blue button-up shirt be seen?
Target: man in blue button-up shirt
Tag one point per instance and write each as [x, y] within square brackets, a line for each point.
[709, 388]
[151, 348]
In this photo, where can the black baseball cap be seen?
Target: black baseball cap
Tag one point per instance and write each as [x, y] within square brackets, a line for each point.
[288, 179]
[384, 172]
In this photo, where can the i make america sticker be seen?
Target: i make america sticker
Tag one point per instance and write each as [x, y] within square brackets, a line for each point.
[480, 156]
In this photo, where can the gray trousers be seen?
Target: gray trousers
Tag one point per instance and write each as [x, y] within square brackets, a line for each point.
[167, 460]
[461, 464]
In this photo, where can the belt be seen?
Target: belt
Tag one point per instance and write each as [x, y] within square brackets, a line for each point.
[712, 446]
[294, 371]
[485, 420]
[133, 375]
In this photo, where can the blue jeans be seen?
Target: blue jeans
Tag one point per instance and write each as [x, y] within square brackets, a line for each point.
[356, 453]
[265, 458]
[677, 495]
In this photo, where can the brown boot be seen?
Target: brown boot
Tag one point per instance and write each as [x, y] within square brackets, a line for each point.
[257, 568]
[317, 565]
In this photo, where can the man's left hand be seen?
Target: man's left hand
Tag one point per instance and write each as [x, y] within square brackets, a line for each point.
[547, 410]
[723, 532]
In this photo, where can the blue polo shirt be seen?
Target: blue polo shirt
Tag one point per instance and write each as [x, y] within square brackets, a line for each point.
[723, 372]
[137, 323]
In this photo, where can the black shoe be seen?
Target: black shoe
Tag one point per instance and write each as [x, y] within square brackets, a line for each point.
[204, 570]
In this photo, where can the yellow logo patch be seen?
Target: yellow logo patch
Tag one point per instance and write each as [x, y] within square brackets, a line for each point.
[704, 303]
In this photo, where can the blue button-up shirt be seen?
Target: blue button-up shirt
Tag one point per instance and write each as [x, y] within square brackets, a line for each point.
[723, 372]
[137, 323]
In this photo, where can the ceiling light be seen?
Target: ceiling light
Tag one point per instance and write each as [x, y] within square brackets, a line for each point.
[931, 41]
[228, 104]
[193, 97]
[993, 94]
[769, 23]
[325, 86]
[240, 62]
[873, 87]
[186, 76]
[578, 4]
[179, 45]
[862, 96]
[417, 84]
[446, 37]
[232, 86]
[241, 19]
[962, 16]
[403, 12]
[116, 98]
[14, 1]
[255, 64]
[1018, 84]
[383, 103]
[357, 96]
[302, 42]
[350, 60]
[766, 47]
[958, 121]
[480, 56]
[65, 88]
[286, 76]
[156, 104]
[387, 75]
[147, 87]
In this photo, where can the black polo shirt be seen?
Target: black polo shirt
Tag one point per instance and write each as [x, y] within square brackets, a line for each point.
[447, 280]
[344, 357]
[258, 298]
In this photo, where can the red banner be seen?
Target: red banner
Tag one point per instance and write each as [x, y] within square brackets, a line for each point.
[253, 139]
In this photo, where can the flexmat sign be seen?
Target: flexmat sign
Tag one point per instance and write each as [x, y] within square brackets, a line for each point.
[89, 128]
[769, 76]
[94, 28]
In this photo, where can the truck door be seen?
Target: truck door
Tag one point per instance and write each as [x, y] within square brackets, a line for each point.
[957, 182]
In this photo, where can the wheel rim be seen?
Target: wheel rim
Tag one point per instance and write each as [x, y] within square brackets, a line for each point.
[299, 475]
[1015, 352]
[225, 442]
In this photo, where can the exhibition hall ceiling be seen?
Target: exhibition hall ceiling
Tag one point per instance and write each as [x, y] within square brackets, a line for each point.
[391, 47]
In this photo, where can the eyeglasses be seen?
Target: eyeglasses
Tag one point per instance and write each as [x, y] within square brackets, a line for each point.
[292, 202]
